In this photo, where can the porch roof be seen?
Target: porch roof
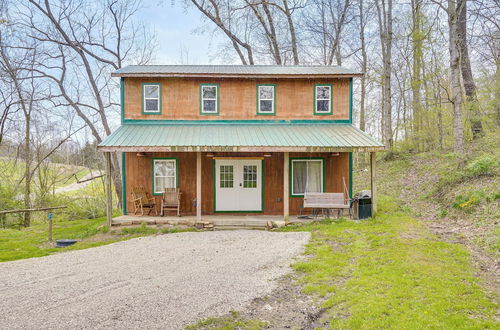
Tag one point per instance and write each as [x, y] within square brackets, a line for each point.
[242, 137]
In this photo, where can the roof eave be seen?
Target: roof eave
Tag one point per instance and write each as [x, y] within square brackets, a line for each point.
[247, 76]
[237, 149]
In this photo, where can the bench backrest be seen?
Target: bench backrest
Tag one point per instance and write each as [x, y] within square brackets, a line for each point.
[324, 199]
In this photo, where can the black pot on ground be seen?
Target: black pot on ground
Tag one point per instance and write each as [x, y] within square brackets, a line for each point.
[65, 242]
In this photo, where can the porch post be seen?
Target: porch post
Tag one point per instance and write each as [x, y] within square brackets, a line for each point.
[109, 193]
[286, 186]
[373, 177]
[198, 186]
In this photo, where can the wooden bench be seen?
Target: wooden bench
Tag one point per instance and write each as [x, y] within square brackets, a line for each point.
[326, 202]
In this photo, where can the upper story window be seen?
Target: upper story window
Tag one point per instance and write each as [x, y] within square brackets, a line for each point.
[151, 98]
[322, 99]
[266, 100]
[209, 99]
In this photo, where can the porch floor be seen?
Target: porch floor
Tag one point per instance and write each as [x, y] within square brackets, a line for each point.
[219, 221]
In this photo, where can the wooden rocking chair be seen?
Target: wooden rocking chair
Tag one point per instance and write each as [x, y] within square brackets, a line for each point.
[171, 201]
[142, 201]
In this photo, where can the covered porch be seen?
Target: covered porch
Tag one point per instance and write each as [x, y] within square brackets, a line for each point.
[270, 159]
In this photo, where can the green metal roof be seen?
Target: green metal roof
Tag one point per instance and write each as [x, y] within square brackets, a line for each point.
[279, 137]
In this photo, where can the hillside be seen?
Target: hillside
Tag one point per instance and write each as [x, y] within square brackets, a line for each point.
[458, 200]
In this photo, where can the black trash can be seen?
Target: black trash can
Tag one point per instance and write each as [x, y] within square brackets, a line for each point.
[364, 207]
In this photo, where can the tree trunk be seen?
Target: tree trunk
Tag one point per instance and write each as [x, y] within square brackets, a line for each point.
[416, 80]
[293, 35]
[27, 168]
[364, 61]
[468, 79]
[456, 90]
[385, 27]
[497, 88]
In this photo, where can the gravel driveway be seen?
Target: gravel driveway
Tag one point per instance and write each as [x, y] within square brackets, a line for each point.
[164, 281]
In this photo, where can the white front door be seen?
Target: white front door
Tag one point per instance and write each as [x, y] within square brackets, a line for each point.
[238, 185]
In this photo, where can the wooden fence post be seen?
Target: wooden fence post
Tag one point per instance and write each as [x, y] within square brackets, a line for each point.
[50, 226]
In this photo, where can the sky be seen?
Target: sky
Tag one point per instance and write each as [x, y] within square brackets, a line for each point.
[179, 42]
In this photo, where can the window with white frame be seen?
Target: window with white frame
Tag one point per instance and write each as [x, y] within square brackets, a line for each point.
[307, 176]
[265, 102]
[164, 174]
[209, 99]
[151, 98]
[323, 99]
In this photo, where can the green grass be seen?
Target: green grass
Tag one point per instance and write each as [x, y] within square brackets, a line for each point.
[33, 241]
[438, 185]
[230, 322]
[390, 272]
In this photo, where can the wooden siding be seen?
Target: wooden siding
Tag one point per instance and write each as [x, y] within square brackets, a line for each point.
[139, 173]
[237, 98]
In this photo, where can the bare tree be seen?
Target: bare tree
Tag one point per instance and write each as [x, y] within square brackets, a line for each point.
[453, 10]
[364, 63]
[266, 20]
[223, 15]
[7, 105]
[83, 45]
[325, 23]
[417, 37]
[485, 44]
[468, 79]
[18, 68]
[384, 14]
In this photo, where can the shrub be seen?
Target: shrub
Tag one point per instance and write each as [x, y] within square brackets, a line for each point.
[469, 201]
[484, 165]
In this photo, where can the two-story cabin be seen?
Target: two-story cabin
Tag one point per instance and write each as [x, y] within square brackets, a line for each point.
[237, 139]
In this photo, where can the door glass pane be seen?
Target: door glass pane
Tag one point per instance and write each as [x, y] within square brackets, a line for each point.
[226, 176]
[250, 176]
